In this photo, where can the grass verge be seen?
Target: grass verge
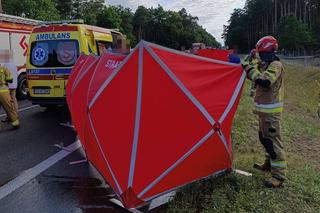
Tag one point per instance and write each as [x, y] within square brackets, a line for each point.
[301, 136]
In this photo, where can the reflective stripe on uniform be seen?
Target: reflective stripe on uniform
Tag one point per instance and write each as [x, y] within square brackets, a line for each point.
[4, 89]
[278, 110]
[254, 74]
[9, 78]
[279, 164]
[269, 108]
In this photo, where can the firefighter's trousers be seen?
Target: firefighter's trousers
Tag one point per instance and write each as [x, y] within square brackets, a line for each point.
[8, 106]
[252, 89]
[270, 137]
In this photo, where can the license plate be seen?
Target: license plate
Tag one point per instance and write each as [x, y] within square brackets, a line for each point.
[41, 91]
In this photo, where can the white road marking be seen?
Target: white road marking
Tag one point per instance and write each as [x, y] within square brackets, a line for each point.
[23, 109]
[68, 124]
[31, 173]
[78, 162]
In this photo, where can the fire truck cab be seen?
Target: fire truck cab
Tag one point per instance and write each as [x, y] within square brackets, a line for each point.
[14, 36]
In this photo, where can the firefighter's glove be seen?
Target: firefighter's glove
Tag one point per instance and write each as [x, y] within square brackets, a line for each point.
[244, 64]
[247, 67]
[9, 81]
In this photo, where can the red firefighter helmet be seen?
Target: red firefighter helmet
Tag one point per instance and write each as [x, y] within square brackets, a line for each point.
[267, 44]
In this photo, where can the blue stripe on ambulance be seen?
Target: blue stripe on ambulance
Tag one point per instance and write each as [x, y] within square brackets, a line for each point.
[48, 71]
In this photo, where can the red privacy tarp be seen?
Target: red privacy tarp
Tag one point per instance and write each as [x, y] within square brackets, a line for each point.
[217, 54]
[88, 74]
[157, 120]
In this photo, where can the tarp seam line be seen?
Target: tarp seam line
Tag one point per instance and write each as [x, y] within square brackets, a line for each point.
[91, 80]
[76, 77]
[175, 188]
[233, 98]
[193, 56]
[81, 75]
[227, 110]
[103, 155]
[180, 85]
[109, 79]
[180, 160]
[137, 119]
[225, 143]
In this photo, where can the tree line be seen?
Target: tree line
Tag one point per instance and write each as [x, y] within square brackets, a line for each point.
[296, 24]
[164, 27]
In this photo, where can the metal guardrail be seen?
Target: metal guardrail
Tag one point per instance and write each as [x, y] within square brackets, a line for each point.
[306, 61]
[297, 57]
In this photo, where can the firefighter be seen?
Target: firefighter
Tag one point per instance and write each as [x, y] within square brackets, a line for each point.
[8, 63]
[252, 60]
[268, 78]
[5, 98]
[13, 86]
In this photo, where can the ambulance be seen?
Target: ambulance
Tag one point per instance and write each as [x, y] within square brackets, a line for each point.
[54, 49]
[14, 36]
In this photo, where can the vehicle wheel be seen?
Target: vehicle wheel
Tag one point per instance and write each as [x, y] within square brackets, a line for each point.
[22, 91]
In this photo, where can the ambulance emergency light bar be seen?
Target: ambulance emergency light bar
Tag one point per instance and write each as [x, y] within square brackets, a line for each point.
[75, 21]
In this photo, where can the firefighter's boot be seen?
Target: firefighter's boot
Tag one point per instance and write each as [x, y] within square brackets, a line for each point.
[273, 182]
[265, 167]
[15, 124]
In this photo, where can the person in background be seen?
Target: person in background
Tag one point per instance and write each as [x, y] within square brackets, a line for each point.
[269, 95]
[13, 86]
[6, 77]
[102, 48]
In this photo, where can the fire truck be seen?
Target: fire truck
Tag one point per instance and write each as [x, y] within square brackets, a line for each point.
[14, 35]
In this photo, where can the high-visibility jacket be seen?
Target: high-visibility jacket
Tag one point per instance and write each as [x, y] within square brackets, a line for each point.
[5, 78]
[268, 99]
[251, 61]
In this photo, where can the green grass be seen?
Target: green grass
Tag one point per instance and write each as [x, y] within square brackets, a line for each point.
[301, 136]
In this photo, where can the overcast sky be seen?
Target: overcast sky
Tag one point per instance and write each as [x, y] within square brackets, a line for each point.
[213, 14]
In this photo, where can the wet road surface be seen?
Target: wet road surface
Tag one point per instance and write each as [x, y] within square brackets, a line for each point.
[62, 187]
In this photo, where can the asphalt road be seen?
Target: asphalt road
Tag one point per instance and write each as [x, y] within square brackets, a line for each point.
[60, 188]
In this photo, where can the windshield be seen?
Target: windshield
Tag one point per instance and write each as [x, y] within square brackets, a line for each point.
[57, 53]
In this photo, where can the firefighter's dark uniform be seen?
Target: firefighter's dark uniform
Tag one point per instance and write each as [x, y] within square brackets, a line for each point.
[5, 98]
[269, 80]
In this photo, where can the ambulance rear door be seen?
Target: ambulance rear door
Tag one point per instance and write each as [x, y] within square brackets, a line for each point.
[54, 60]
